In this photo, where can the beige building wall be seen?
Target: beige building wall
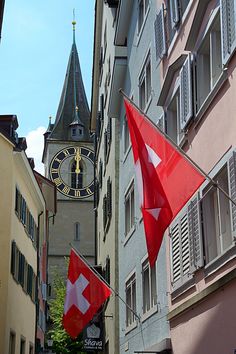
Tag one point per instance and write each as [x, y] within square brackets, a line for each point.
[18, 311]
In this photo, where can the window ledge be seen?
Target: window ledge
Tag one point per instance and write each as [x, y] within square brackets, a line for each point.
[181, 289]
[130, 233]
[148, 103]
[149, 313]
[139, 35]
[220, 261]
[223, 77]
[130, 327]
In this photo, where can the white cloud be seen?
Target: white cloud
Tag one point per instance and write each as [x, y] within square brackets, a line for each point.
[35, 142]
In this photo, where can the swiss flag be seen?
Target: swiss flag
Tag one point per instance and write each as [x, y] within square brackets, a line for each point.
[85, 293]
[165, 178]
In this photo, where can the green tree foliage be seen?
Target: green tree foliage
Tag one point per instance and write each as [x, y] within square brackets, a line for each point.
[62, 342]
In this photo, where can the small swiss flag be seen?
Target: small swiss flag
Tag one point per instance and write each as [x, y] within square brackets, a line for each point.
[85, 293]
[165, 178]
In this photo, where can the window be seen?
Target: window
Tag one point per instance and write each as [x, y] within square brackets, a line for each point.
[145, 84]
[76, 175]
[149, 287]
[129, 210]
[73, 131]
[173, 119]
[209, 62]
[130, 289]
[107, 205]
[212, 218]
[216, 217]
[12, 343]
[142, 11]
[126, 135]
[77, 231]
[31, 349]
[167, 24]
[22, 346]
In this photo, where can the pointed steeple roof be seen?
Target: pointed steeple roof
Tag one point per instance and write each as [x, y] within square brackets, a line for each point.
[73, 107]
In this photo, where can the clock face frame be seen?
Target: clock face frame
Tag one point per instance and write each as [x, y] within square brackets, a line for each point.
[55, 174]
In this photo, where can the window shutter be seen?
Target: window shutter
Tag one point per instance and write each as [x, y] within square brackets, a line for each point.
[195, 237]
[109, 198]
[174, 12]
[186, 109]
[107, 271]
[100, 173]
[232, 190]
[105, 146]
[109, 131]
[104, 212]
[102, 108]
[185, 254]
[98, 125]
[13, 258]
[160, 36]
[175, 252]
[228, 28]
[17, 201]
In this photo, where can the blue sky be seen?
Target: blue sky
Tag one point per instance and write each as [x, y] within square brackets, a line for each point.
[34, 51]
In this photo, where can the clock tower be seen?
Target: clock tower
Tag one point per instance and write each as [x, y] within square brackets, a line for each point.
[68, 158]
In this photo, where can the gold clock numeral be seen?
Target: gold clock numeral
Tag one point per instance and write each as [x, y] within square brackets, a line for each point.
[54, 170]
[77, 193]
[66, 190]
[89, 191]
[57, 181]
[56, 159]
[66, 152]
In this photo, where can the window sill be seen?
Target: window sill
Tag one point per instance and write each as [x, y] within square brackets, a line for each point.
[126, 153]
[139, 35]
[220, 261]
[149, 313]
[181, 289]
[130, 233]
[205, 105]
[131, 328]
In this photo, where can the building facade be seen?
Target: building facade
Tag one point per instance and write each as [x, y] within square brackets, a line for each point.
[68, 158]
[22, 227]
[106, 165]
[125, 57]
[195, 44]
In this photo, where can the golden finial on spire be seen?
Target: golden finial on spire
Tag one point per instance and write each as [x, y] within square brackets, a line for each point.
[73, 22]
[77, 109]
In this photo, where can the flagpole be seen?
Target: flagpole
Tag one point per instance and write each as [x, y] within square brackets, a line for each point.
[181, 151]
[104, 281]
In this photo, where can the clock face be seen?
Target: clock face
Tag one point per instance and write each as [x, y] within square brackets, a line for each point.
[67, 173]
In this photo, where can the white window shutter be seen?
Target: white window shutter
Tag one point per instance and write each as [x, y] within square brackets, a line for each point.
[175, 252]
[195, 237]
[185, 245]
[228, 28]
[186, 104]
[174, 12]
[160, 36]
[232, 190]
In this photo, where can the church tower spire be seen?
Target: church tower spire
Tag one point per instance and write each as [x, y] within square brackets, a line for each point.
[72, 118]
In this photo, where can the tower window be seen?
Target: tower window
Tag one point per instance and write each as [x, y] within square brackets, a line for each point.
[76, 178]
[73, 131]
[77, 231]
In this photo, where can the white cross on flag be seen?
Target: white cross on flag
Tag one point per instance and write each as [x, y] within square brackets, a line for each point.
[165, 178]
[85, 293]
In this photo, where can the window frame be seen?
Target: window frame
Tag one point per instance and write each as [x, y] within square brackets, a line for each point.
[127, 196]
[142, 78]
[131, 281]
[146, 313]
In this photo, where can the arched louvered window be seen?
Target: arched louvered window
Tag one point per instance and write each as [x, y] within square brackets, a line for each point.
[77, 231]
[76, 178]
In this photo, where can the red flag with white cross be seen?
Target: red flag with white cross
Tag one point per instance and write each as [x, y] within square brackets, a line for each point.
[85, 293]
[165, 178]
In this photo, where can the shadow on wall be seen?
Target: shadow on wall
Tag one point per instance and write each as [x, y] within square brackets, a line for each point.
[208, 328]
